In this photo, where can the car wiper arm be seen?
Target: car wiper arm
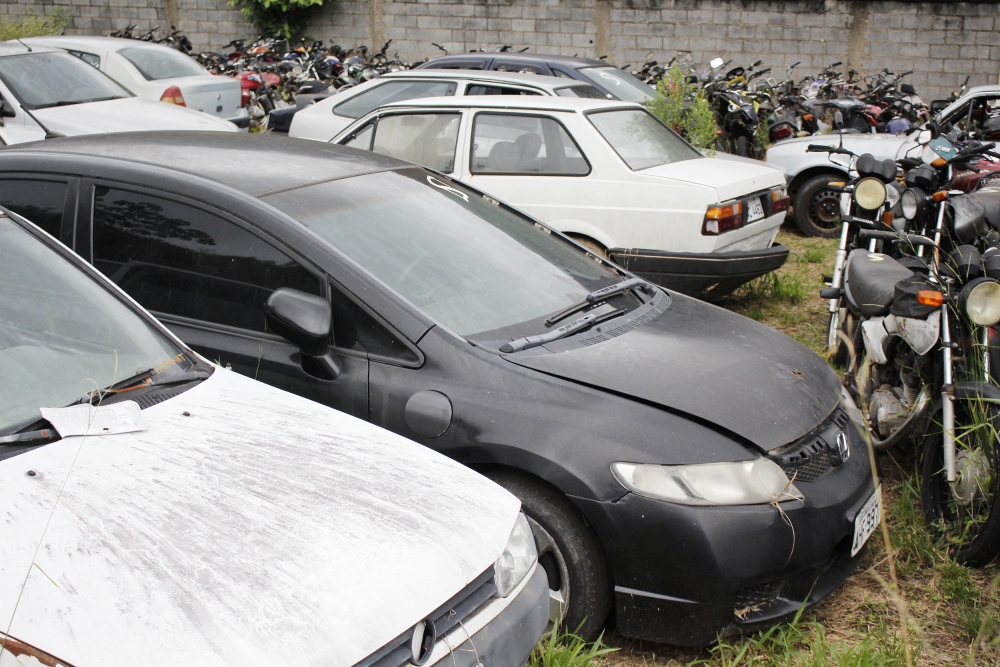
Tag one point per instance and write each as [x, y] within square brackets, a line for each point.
[565, 330]
[60, 103]
[603, 293]
[30, 437]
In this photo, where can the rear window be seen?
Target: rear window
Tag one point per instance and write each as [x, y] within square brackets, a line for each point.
[640, 139]
[160, 63]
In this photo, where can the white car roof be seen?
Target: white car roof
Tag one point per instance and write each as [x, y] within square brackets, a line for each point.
[538, 103]
[85, 41]
[538, 80]
[14, 48]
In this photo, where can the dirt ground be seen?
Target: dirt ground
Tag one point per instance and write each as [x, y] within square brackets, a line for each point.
[951, 610]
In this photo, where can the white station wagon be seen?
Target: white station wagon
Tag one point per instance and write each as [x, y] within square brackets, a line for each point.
[608, 174]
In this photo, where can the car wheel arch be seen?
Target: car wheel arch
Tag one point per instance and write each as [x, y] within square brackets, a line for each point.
[806, 174]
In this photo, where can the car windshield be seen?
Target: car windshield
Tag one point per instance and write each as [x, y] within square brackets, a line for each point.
[161, 63]
[620, 83]
[40, 80]
[640, 139]
[470, 263]
[62, 334]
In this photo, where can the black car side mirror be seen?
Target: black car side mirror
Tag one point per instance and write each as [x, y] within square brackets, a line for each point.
[305, 320]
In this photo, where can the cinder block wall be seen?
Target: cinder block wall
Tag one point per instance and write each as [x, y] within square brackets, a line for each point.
[941, 42]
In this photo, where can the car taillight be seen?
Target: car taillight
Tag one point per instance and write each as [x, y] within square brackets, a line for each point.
[719, 219]
[782, 132]
[779, 201]
[172, 95]
[245, 98]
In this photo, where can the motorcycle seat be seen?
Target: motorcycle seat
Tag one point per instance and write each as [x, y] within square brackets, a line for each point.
[870, 280]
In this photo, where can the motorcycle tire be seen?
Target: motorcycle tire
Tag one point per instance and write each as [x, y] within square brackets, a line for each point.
[817, 207]
[969, 518]
[743, 147]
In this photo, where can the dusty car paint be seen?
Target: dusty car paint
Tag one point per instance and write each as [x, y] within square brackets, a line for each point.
[262, 528]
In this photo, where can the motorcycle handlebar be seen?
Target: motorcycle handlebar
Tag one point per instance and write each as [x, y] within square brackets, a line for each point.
[913, 239]
[973, 150]
[821, 148]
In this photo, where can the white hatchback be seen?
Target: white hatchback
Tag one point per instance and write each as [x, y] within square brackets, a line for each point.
[609, 174]
[48, 93]
[157, 72]
[324, 119]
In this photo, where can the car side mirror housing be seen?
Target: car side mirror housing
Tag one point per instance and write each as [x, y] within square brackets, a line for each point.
[304, 320]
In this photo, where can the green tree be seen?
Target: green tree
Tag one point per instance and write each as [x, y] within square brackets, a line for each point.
[284, 18]
[683, 108]
[33, 25]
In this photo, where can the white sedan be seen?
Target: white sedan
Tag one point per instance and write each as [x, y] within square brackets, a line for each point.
[48, 93]
[325, 119]
[609, 174]
[157, 72]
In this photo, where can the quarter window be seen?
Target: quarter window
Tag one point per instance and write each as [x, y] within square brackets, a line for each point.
[89, 58]
[355, 329]
[181, 260]
[515, 144]
[41, 202]
[497, 90]
[522, 67]
[429, 139]
[393, 91]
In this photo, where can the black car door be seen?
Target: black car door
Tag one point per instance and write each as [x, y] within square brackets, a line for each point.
[207, 275]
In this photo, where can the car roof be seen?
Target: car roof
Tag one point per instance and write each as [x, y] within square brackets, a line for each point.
[14, 48]
[106, 43]
[539, 80]
[572, 61]
[252, 163]
[572, 104]
[978, 90]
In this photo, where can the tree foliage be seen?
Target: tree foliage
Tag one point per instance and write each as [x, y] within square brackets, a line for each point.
[33, 25]
[279, 18]
[683, 107]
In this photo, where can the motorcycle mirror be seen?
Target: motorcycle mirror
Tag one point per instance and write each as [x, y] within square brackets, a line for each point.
[718, 62]
[908, 89]
[924, 137]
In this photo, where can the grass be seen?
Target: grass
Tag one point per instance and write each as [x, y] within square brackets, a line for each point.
[33, 25]
[953, 612]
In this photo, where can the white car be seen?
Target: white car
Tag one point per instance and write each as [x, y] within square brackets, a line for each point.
[160, 510]
[607, 173]
[325, 119]
[48, 93]
[157, 72]
[816, 206]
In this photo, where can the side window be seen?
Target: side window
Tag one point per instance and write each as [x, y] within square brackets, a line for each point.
[42, 202]
[522, 67]
[477, 63]
[497, 90]
[514, 144]
[393, 91]
[581, 91]
[181, 260]
[355, 329]
[429, 139]
[88, 58]
[561, 74]
[362, 138]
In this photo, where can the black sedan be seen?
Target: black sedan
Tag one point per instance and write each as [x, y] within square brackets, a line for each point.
[689, 467]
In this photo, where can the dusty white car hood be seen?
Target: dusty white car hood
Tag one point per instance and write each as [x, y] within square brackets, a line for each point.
[792, 157]
[729, 178]
[263, 529]
[131, 114]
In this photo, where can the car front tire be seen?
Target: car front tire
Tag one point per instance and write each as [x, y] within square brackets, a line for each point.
[579, 590]
[817, 207]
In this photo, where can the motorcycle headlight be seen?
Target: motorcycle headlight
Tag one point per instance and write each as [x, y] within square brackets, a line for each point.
[981, 301]
[732, 483]
[517, 558]
[869, 193]
[912, 203]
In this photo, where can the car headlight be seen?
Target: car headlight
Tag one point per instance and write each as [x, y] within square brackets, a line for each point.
[869, 193]
[732, 483]
[517, 558]
[981, 301]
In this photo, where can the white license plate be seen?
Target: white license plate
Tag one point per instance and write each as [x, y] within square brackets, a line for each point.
[755, 210]
[866, 521]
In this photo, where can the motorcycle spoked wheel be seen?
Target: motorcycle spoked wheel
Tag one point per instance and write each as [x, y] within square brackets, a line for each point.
[966, 514]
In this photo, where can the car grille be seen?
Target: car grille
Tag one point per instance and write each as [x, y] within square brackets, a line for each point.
[445, 618]
[812, 456]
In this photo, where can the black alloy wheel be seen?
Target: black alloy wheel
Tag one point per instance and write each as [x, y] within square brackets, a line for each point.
[966, 513]
[579, 589]
[817, 207]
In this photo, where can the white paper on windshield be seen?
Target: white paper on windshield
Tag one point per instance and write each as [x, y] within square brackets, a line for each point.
[124, 417]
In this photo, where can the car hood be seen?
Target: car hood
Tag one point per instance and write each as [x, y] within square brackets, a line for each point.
[246, 526]
[730, 179]
[130, 114]
[711, 365]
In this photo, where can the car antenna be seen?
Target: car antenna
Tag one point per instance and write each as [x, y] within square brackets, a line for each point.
[49, 134]
[25, 45]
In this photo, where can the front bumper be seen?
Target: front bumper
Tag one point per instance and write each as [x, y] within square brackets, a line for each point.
[503, 633]
[704, 275]
[685, 575]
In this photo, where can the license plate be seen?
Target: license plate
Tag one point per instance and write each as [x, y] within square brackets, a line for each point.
[866, 521]
[755, 211]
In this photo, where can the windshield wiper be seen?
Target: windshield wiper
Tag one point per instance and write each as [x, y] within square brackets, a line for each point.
[60, 103]
[603, 293]
[563, 331]
[143, 380]
[30, 437]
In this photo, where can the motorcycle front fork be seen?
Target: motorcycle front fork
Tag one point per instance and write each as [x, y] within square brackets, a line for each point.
[947, 398]
[838, 282]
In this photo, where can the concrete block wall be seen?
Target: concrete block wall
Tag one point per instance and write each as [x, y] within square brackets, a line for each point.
[942, 42]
